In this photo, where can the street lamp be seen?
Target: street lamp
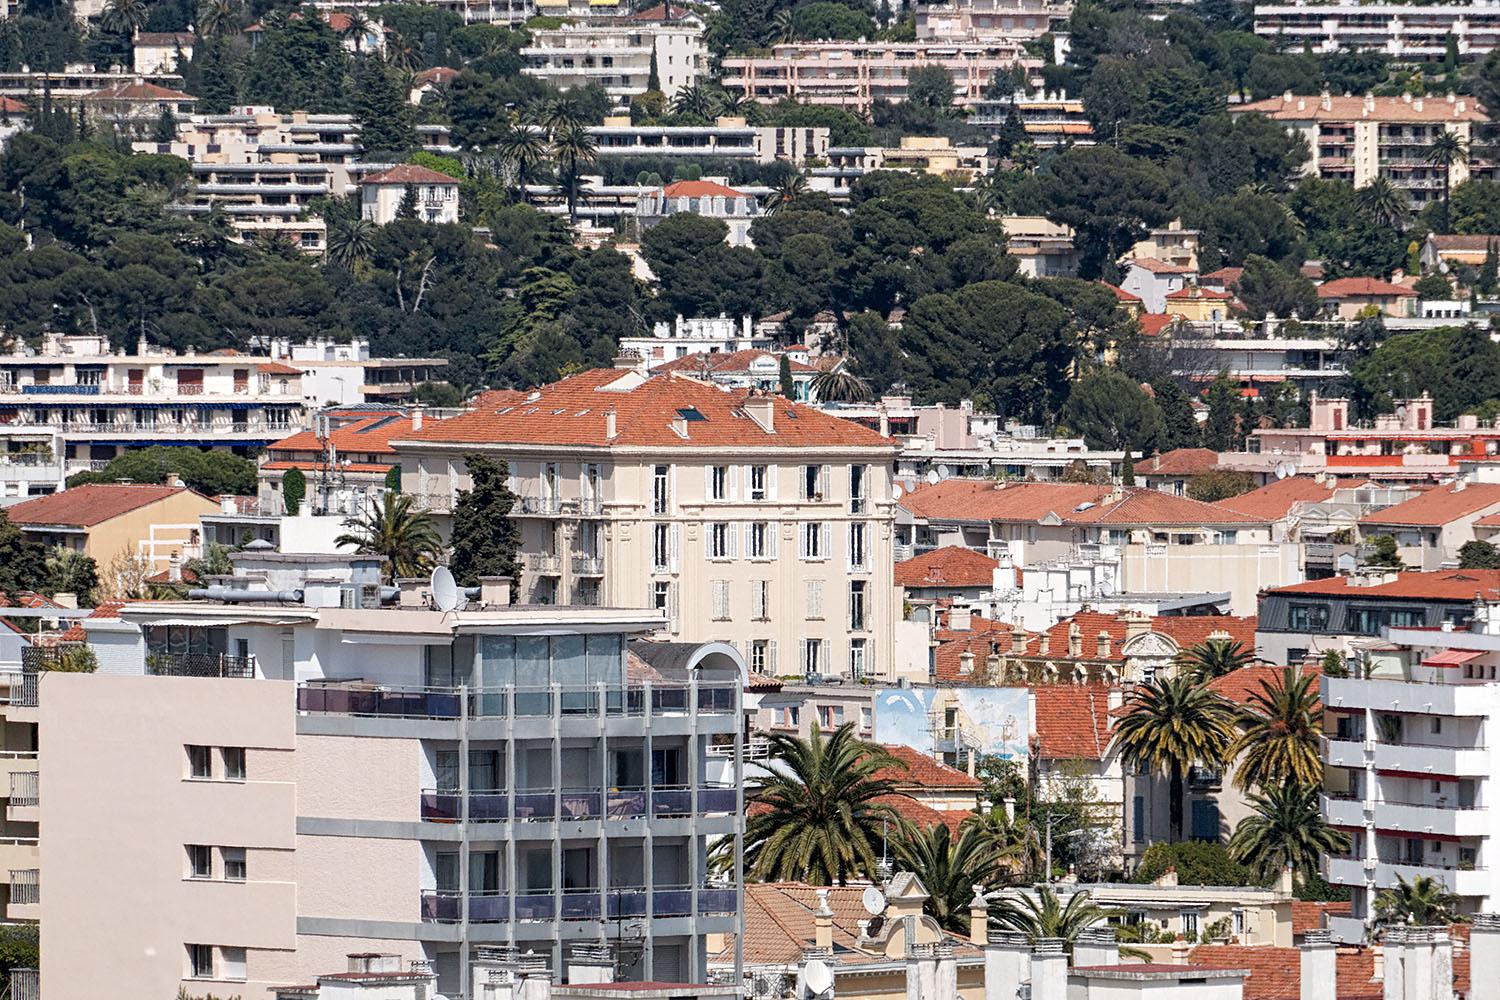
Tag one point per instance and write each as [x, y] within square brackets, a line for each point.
[1051, 818]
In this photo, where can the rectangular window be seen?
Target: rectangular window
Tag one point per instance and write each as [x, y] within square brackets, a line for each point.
[857, 476]
[757, 482]
[857, 547]
[812, 657]
[659, 591]
[759, 549]
[718, 540]
[1138, 818]
[234, 964]
[234, 763]
[1309, 617]
[200, 961]
[1206, 820]
[234, 864]
[200, 762]
[200, 861]
[812, 482]
[660, 547]
[721, 600]
[814, 598]
[760, 600]
[857, 605]
[1189, 923]
[791, 716]
[758, 662]
[866, 720]
[830, 716]
[718, 482]
[660, 497]
[812, 540]
[857, 658]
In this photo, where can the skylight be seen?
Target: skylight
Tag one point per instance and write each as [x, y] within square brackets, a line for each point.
[690, 414]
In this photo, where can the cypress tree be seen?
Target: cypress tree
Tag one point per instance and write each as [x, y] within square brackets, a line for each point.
[1127, 468]
[653, 80]
[485, 536]
[408, 207]
[293, 489]
[1489, 271]
[788, 387]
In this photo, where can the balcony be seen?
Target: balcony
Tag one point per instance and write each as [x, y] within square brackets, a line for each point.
[1344, 753]
[588, 565]
[1344, 869]
[1423, 819]
[1420, 758]
[714, 798]
[24, 789]
[659, 701]
[1463, 881]
[163, 664]
[1202, 778]
[1344, 811]
[616, 903]
[432, 503]
[25, 886]
[1346, 693]
[538, 505]
[544, 564]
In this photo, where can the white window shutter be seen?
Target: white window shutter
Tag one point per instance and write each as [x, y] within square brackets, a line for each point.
[849, 550]
[672, 604]
[733, 531]
[773, 535]
[827, 551]
[734, 482]
[823, 481]
[802, 540]
[771, 482]
[771, 657]
[676, 546]
[870, 658]
[671, 488]
[708, 482]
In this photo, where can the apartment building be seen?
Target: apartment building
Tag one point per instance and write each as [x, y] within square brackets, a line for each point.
[80, 405]
[746, 518]
[752, 370]
[345, 374]
[989, 20]
[851, 75]
[1406, 32]
[728, 137]
[107, 520]
[161, 52]
[1259, 356]
[934, 155]
[618, 56]
[700, 335]
[77, 81]
[1050, 119]
[1357, 139]
[304, 772]
[1410, 763]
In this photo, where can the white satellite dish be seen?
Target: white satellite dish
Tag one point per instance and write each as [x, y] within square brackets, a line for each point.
[874, 901]
[817, 977]
[932, 478]
[1285, 469]
[944, 472]
[895, 491]
[445, 595]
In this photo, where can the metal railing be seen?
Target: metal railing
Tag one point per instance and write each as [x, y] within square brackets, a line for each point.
[25, 984]
[538, 505]
[25, 885]
[24, 788]
[447, 703]
[164, 664]
[588, 903]
[540, 563]
[588, 565]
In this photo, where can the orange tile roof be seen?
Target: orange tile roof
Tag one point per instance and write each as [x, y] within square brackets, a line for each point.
[922, 771]
[987, 500]
[923, 816]
[1186, 632]
[1438, 506]
[312, 465]
[1159, 266]
[572, 413]
[1276, 973]
[1224, 275]
[1122, 294]
[1342, 288]
[950, 566]
[277, 368]
[1197, 292]
[1072, 720]
[142, 92]
[1308, 916]
[1275, 499]
[11, 106]
[409, 173]
[88, 505]
[497, 398]
[1152, 507]
[1152, 324]
[1447, 585]
[725, 361]
[369, 434]
[699, 189]
[983, 635]
[438, 74]
[1179, 462]
[1241, 684]
[1386, 109]
[106, 609]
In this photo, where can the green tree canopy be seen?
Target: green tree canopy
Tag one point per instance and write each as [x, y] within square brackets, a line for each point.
[213, 473]
[485, 536]
[1110, 411]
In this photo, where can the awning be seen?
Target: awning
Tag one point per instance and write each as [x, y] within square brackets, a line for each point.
[1453, 657]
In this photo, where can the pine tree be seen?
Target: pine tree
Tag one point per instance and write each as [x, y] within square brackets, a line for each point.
[408, 207]
[382, 109]
[1489, 271]
[485, 536]
[166, 128]
[1012, 133]
[788, 386]
[1127, 468]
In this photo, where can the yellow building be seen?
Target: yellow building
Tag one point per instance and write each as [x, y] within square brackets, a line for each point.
[105, 520]
[1199, 305]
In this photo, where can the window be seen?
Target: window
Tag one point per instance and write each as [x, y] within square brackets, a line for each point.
[1189, 923]
[760, 600]
[857, 553]
[866, 720]
[660, 547]
[812, 482]
[791, 716]
[721, 600]
[759, 548]
[660, 495]
[814, 598]
[857, 476]
[200, 961]
[234, 864]
[659, 591]
[857, 605]
[200, 763]
[830, 716]
[812, 657]
[234, 964]
[857, 659]
[200, 861]
[1437, 724]
[1226, 537]
[812, 540]
[1308, 617]
[757, 482]
[1138, 818]
[719, 546]
[759, 656]
[718, 482]
[234, 763]
[1239, 921]
[1205, 820]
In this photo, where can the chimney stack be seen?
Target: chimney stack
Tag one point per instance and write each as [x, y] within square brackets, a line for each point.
[946, 980]
[609, 425]
[173, 480]
[959, 620]
[1319, 958]
[590, 963]
[1006, 965]
[416, 418]
[823, 922]
[1049, 970]
[494, 591]
[979, 918]
[1484, 957]
[1096, 946]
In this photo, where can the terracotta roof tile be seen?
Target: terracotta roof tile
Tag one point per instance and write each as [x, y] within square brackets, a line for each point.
[1308, 916]
[1185, 632]
[1197, 292]
[1275, 499]
[438, 74]
[950, 566]
[142, 92]
[1341, 288]
[369, 434]
[1159, 266]
[89, 505]
[922, 771]
[987, 500]
[951, 646]
[1471, 244]
[1152, 324]
[1151, 507]
[1241, 684]
[1072, 720]
[1179, 462]
[725, 361]
[277, 368]
[1438, 506]
[409, 173]
[1386, 109]
[700, 189]
[1225, 276]
[1446, 585]
[1122, 294]
[1276, 973]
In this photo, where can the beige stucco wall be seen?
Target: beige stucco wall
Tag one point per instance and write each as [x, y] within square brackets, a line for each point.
[155, 531]
[334, 778]
[1243, 569]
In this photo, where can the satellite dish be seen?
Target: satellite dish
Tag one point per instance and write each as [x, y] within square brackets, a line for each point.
[817, 977]
[944, 472]
[874, 901]
[445, 595]
[932, 478]
[895, 491]
[1284, 470]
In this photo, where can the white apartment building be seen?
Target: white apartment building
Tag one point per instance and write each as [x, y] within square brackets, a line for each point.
[434, 195]
[344, 374]
[696, 335]
[618, 56]
[1411, 764]
[750, 519]
[1406, 32]
[1357, 139]
[853, 74]
[990, 20]
[304, 773]
[79, 405]
[728, 137]
[1050, 119]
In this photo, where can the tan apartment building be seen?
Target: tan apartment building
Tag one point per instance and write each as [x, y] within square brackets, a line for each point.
[745, 518]
[106, 520]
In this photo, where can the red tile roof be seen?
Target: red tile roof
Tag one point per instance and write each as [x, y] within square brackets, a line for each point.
[277, 368]
[183, 38]
[95, 503]
[1345, 109]
[1446, 585]
[1185, 632]
[1122, 294]
[370, 434]
[1344, 288]
[950, 566]
[572, 413]
[725, 361]
[923, 816]
[1438, 506]
[11, 106]
[1308, 916]
[1180, 462]
[312, 465]
[1151, 507]
[1159, 266]
[1152, 324]
[409, 173]
[1072, 720]
[496, 398]
[1196, 292]
[1225, 276]
[951, 646]
[1276, 973]
[142, 92]
[660, 12]
[924, 772]
[438, 74]
[700, 189]
[987, 500]
[1275, 499]
[106, 609]
[1241, 684]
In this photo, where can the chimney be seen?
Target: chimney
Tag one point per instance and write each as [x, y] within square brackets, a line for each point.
[173, 480]
[416, 418]
[590, 963]
[494, 591]
[1136, 625]
[609, 425]
[946, 980]
[762, 409]
[413, 592]
[1075, 640]
[1049, 970]
[174, 568]
[979, 918]
[1006, 965]
[823, 922]
[921, 972]
[1046, 644]
[1484, 957]
[1394, 942]
[1018, 640]
[1103, 644]
[959, 620]
[966, 662]
[65, 599]
[1096, 946]
[1319, 958]
[1180, 951]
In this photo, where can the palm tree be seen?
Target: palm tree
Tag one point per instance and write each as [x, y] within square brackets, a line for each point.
[523, 147]
[1046, 916]
[562, 112]
[1213, 658]
[783, 26]
[1423, 901]
[1385, 204]
[1012, 840]
[394, 529]
[350, 242]
[1286, 830]
[1446, 150]
[696, 99]
[216, 17]
[839, 386]
[819, 817]
[398, 54]
[949, 870]
[1170, 725]
[572, 145]
[792, 187]
[357, 28]
[1281, 730]
[123, 17]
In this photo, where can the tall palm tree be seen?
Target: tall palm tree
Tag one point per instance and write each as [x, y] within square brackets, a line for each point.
[350, 242]
[1385, 204]
[522, 147]
[216, 17]
[949, 869]
[395, 529]
[1286, 830]
[839, 386]
[1446, 150]
[1170, 725]
[783, 26]
[1014, 842]
[572, 145]
[696, 99]
[357, 28]
[562, 112]
[1046, 916]
[398, 53]
[123, 17]
[792, 187]
[819, 818]
[1281, 729]
[1213, 658]
[1423, 901]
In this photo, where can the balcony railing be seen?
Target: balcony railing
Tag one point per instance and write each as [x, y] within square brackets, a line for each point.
[444, 806]
[547, 565]
[450, 703]
[588, 565]
[619, 902]
[164, 664]
[25, 885]
[538, 505]
[24, 788]
[25, 984]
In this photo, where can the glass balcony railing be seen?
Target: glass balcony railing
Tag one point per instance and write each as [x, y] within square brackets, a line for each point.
[590, 903]
[445, 806]
[513, 702]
